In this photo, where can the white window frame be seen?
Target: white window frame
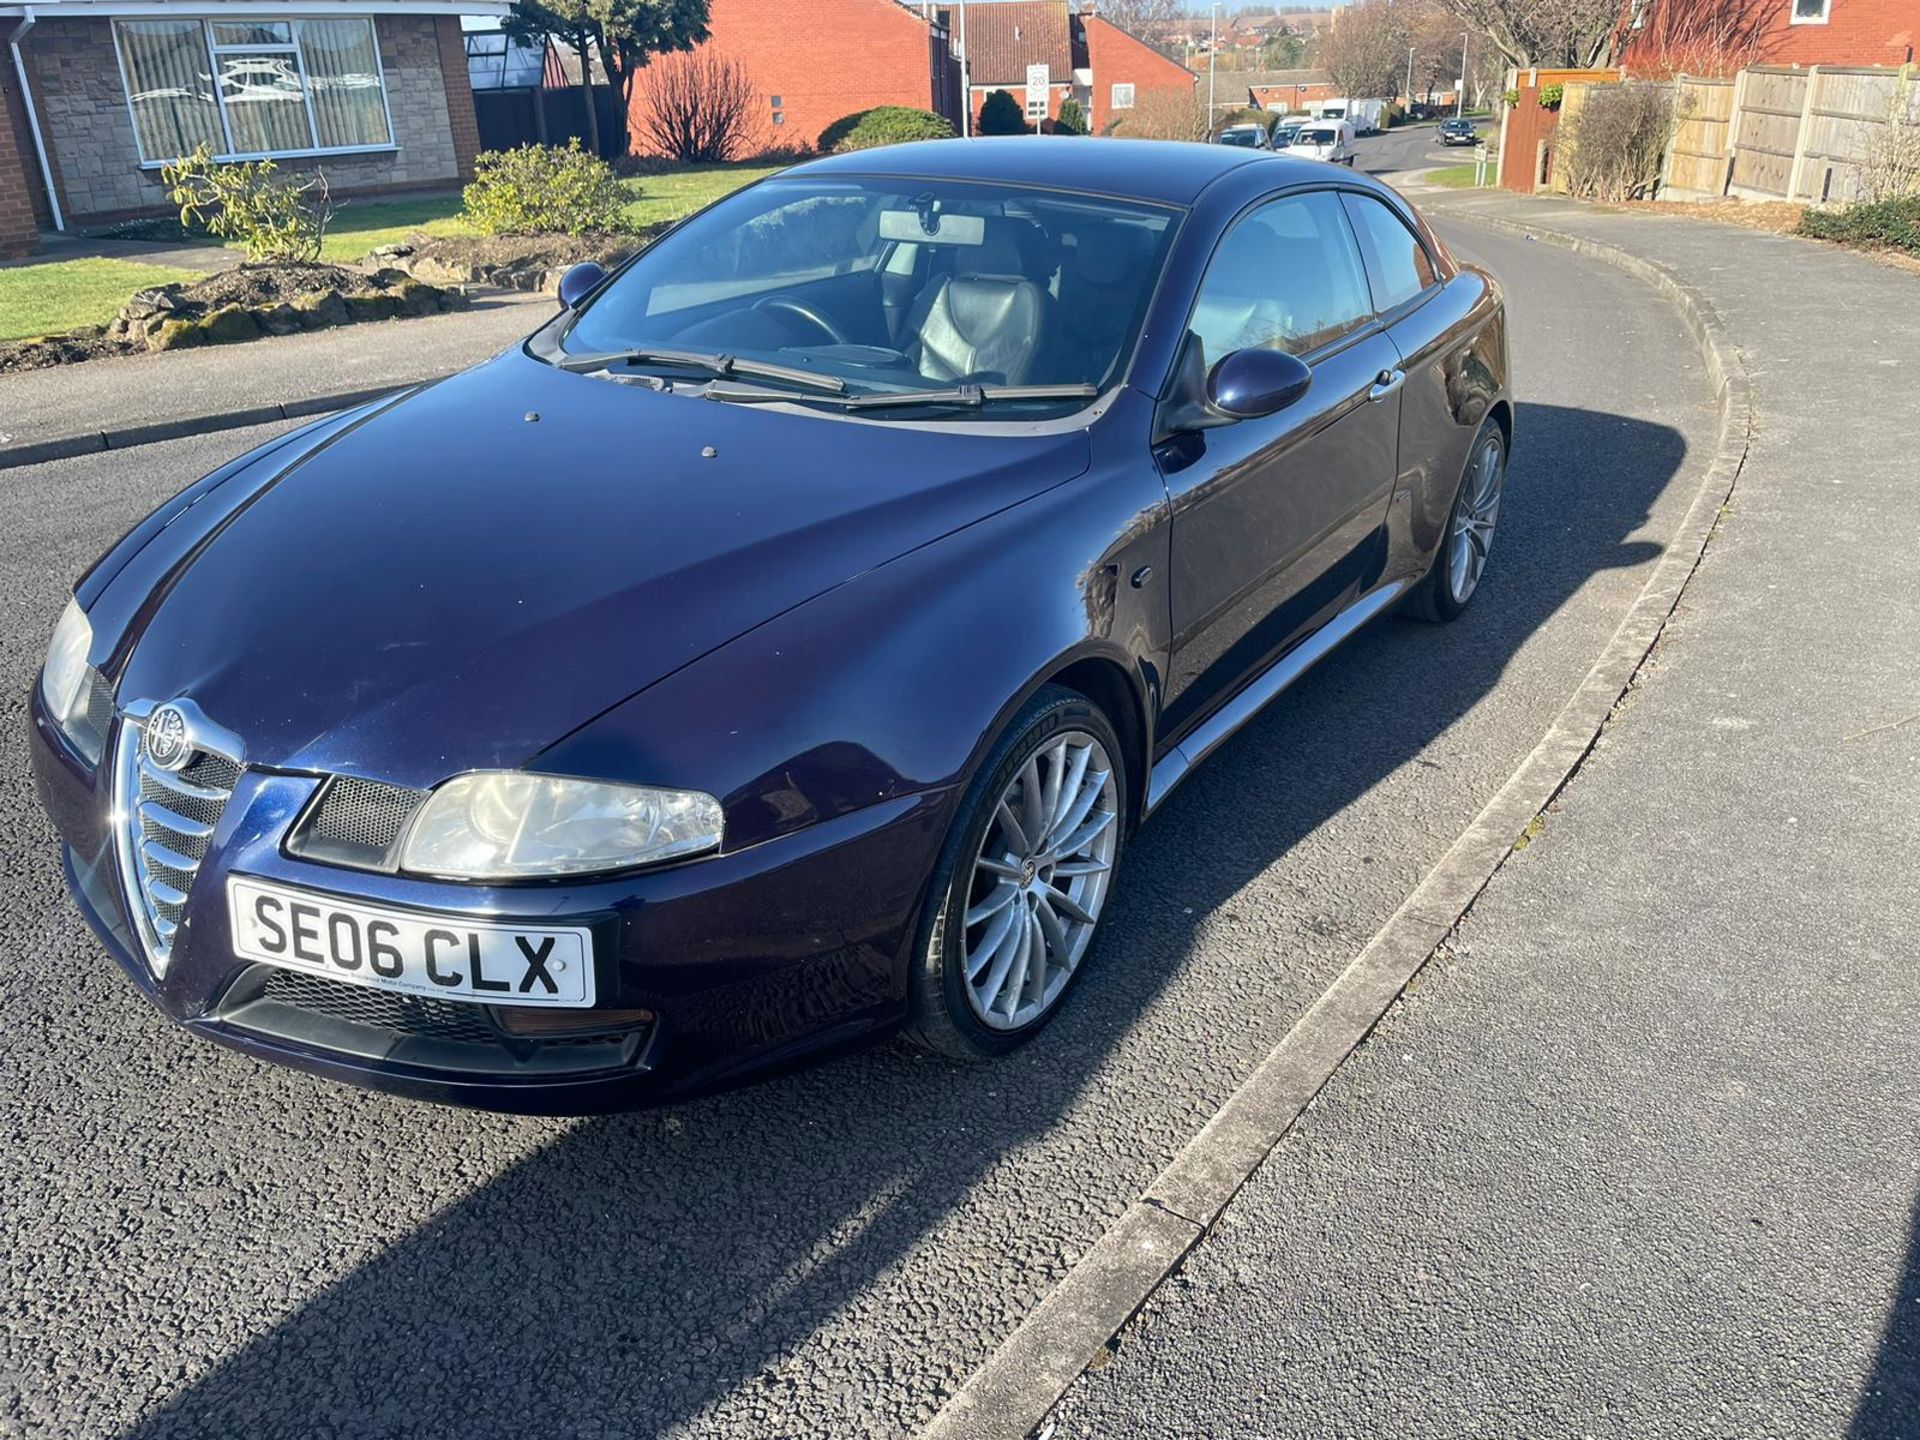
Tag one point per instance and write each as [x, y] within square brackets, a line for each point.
[1794, 17]
[306, 95]
[1114, 102]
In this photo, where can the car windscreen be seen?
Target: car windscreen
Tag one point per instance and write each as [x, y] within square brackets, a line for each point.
[1238, 137]
[1318, 137]
[894, 284]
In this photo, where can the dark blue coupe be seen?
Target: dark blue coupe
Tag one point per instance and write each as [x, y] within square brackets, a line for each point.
[777, 649]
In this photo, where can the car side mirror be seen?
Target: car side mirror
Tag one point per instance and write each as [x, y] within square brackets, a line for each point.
[1249, 384]
[578, 283]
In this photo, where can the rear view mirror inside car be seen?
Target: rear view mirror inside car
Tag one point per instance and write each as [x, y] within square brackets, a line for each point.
[932, 228]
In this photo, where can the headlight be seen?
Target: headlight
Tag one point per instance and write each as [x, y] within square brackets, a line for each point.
[505, 825]
[66, 678]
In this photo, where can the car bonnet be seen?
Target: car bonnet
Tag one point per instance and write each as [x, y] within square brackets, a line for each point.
[463, 579]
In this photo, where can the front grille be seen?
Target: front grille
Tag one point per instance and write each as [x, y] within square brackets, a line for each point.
[355, 822]
[402, 1014]
[167, 822]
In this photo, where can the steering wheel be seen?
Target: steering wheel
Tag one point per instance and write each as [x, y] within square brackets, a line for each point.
[788, 305]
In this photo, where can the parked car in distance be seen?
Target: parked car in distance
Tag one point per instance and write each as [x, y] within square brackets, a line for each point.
[778, 649]
[1329, 140]
[1458, 131]
[1249, 137]
[1283, 132]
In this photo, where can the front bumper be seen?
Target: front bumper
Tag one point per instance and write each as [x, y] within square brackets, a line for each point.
[750, 962]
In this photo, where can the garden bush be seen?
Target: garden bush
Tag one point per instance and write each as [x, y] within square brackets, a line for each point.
[274, 218]
[1612, 147]
[544, 190]
[883, 125]
[1876, 225]
[1072, 119]
[1000, 114]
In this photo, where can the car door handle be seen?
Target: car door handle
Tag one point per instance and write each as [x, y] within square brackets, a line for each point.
[1386, 383]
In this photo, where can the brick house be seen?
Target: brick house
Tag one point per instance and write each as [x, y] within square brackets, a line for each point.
[1284, 92]
[1100, 65]
[99, 94]
[816, 64]
[1783, 32]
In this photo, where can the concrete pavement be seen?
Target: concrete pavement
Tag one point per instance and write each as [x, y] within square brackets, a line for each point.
[199, 1244]
[115, 404]
[1639, 1157]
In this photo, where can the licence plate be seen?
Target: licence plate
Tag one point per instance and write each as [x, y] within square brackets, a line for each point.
[413, 952]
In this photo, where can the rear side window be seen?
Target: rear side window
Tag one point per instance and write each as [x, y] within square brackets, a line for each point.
[1397, 263]
[1287, 277]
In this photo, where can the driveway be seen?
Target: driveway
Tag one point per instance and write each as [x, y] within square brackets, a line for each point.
[199, 1245]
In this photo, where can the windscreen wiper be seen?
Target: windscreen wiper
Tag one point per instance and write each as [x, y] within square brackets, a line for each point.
[966, 397]
[713, 364]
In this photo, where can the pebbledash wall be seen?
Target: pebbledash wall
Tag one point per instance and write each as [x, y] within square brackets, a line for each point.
[88, 130]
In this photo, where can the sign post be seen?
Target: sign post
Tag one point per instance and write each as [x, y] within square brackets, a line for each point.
[1039, 98]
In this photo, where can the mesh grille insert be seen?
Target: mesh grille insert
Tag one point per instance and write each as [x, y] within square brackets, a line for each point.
[356, 822]
[402, 1014]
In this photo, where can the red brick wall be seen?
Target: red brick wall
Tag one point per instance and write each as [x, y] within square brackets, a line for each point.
[1857, 32]
[453, 71]
[1116, 58]
[19, 174]
[825, 60]
[1292, 97]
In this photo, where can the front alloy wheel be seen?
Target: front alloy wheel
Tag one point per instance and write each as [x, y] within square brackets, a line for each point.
[1023, 881]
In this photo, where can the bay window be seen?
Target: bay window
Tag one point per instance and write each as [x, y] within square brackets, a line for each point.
[253, 87]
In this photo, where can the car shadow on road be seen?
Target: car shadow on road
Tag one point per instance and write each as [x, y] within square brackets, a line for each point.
[1890, 1407]
[641, 1269]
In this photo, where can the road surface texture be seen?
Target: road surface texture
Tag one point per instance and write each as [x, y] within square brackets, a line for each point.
[196, 1244]
[1639, 1157]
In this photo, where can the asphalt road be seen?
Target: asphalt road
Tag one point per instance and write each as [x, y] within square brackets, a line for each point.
[196, 1244]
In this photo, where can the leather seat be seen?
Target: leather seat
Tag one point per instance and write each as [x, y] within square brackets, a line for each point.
[985, 320]
[1100, 288]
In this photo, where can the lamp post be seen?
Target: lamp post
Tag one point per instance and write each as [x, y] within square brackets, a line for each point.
[966, 79]
[1213, 52]
[1460, 100]
[1410, 50]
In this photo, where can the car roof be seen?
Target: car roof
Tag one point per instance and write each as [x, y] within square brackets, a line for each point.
[1171, 172]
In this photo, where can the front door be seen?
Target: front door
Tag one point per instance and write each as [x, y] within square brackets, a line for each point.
[1277, 522]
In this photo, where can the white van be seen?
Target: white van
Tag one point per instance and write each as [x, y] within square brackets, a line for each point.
[1329, 140]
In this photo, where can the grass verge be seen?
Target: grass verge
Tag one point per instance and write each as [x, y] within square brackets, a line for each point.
[1455, 177]
[55, 298]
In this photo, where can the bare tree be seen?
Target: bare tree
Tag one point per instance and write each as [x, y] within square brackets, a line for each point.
[1366, 50]
[1148, 20]
[1696, 37]
[699, 109]
[1574, 33]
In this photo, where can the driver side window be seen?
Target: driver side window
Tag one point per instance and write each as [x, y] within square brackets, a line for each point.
[1287, 277]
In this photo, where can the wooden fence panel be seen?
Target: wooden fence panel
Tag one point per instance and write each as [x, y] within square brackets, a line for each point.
[1848, 116]
[1697, 156]
[1768, 132]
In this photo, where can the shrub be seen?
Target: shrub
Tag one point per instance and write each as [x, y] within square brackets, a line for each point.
[1072, 119]
[1551, 96]
[698, 109]
[1000, 114]
[883, 125]
[544, 190]
[1168, 114]
[1610, 149]
[1874, 225]
[275, 219]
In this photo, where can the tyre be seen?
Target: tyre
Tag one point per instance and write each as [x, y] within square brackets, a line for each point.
[1022, 881]
[1461, 559]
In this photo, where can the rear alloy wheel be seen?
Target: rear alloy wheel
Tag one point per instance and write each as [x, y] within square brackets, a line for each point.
[1462, 558]
[1023, 882]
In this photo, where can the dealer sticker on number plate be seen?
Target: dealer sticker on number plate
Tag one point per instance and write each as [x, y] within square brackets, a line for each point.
[411, 951]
